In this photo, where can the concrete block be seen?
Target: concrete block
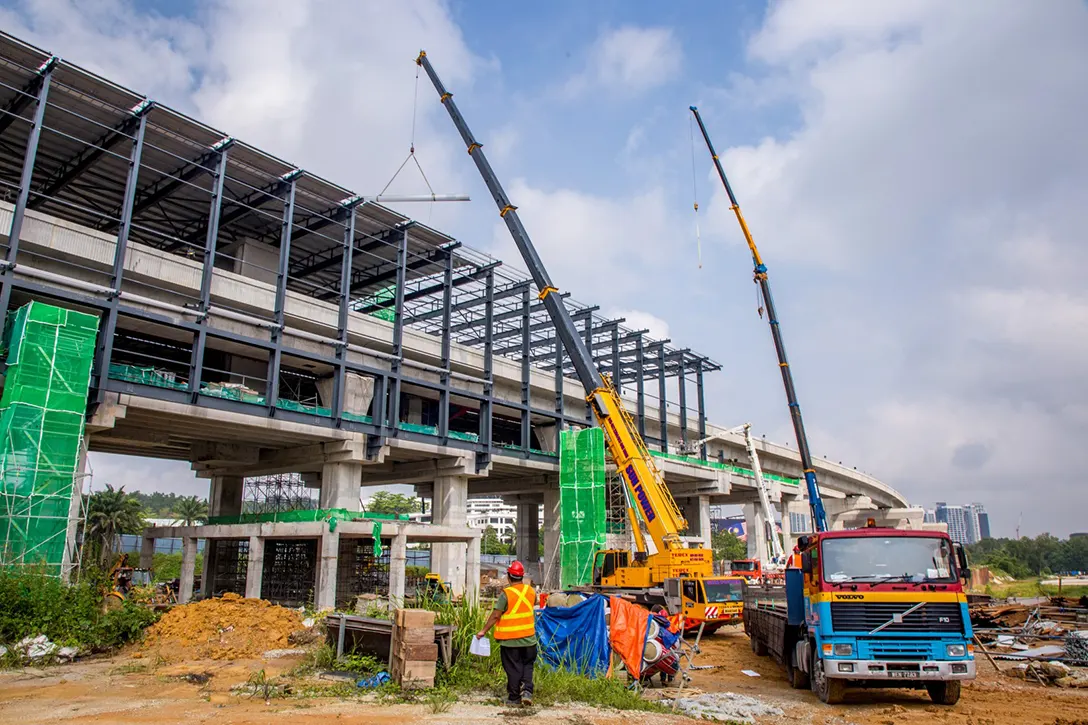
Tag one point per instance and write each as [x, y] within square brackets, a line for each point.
[415, 619]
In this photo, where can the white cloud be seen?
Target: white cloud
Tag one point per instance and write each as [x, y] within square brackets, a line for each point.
[628, 61]
[639, 320]
[328, 85]
[926, 217]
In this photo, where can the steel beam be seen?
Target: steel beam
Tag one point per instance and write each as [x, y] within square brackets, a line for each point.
[339, 382]
[683, 381]
[272, 389]
[640, 389]
[483, 459]
[327, 258]
[477, 274]
[526, 398]
[444, 378]
[513, 290]
[196, 362]
[29, 93]
[662, 400]
[30, 155]
[398, 334]
[701, 401]
[104, 351]
[365, 278]
[74, 167]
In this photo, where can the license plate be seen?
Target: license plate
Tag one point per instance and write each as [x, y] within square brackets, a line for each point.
[906, 675]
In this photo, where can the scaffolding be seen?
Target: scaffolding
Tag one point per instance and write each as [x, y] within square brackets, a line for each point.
[277, 493]
[50, 351]
[582, 504]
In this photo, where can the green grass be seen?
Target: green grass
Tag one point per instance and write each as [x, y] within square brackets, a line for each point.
[562, 686]
[1027, 588]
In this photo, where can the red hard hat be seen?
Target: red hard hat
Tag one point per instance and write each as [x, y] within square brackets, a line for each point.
[516, 569]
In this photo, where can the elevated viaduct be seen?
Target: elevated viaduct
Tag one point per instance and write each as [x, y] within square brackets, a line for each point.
[256, 319]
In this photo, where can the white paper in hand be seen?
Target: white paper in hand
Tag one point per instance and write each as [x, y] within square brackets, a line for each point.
[480, 646]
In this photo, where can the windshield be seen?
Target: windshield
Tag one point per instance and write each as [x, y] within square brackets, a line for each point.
[724, 590]
[743, 566]
[876, 559]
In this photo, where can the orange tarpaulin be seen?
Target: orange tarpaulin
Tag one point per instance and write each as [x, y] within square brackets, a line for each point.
[627, 633]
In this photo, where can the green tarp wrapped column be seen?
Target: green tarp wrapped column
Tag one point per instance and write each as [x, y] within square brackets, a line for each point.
[581, 504]
[50, 352]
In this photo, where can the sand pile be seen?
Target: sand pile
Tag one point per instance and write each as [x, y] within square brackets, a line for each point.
[226, 628]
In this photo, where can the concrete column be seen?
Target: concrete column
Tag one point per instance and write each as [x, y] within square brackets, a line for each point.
[552, 529]
[398, 561]
[207, 574]
[225, 496]
[788, 539]
[340, 484]
[188, 568]
[754, 524]
[358, 392]
[415, 410]
[449, 508]
[253, 259]
[472, 571]
[147, 552]
[528, 539]
[703, 503]
[548, 435]
[327, 557]
[254, 567]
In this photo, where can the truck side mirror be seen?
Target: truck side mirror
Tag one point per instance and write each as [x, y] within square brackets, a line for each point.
[961, 561]
[806, 562]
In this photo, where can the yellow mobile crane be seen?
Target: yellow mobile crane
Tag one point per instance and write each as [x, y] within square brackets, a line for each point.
[677, 577]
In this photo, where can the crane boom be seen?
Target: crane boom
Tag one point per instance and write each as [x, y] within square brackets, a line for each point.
[764, 495]
[815, 502]
[644, 481]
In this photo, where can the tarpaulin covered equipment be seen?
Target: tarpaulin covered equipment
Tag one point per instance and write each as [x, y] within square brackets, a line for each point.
[629, 627]
[575, 638]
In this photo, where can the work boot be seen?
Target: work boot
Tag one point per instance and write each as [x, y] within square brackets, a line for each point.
[512, 703]
[526, 700]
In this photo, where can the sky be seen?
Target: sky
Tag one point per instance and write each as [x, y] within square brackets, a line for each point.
[914, 171]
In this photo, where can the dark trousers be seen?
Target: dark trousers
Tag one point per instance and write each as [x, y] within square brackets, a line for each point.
[518, 663]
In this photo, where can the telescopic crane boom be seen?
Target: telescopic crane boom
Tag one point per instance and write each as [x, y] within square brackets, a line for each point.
[646, 486]
[817, 504]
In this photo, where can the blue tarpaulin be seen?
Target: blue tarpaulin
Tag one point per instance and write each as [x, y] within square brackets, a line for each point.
[668, 638]
[575, 638]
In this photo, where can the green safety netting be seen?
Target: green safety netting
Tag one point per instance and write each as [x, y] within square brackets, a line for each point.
[581, 504]
[50, 352]
[387, 294]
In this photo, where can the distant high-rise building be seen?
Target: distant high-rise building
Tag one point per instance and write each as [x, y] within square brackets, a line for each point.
[929, 517]
[984, 525]
[800, 523]
[956, 519]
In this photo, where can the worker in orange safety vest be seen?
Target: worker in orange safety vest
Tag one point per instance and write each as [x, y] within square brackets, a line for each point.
[516, 635]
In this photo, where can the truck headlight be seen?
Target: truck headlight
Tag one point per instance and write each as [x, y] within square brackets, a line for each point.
[843, 650]
[956, 650]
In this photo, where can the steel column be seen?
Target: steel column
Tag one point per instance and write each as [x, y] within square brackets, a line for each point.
[702, 408]
[272, 388]
[526, 348]
[483, 460]
[196, 362]
[104, 353]
[30, 156]
[640, 389]
[444, 378]
[662, 399]
[398, 334]
[339, 382]
[682, 378]
[616, 357]
[588, 332]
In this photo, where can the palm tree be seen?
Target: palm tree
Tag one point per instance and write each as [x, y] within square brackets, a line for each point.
[111, 513]
[191, 510]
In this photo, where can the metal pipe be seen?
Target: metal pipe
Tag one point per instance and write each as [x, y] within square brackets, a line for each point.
[100, 289]
[239, 317]
[403, 198]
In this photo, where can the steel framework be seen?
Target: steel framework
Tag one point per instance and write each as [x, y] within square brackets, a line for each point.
[87, 151]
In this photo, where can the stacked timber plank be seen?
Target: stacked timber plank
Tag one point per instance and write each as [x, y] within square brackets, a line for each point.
[413, 653]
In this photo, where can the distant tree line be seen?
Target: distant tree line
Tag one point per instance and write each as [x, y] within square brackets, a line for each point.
[158, 505]
[1022, 558]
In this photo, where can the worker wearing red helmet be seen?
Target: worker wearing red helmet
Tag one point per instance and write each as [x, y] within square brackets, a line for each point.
[516, 635]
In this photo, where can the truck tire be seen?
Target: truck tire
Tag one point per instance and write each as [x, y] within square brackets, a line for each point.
[830, 690]
[799, 679]
[757, 646]
[944, 693]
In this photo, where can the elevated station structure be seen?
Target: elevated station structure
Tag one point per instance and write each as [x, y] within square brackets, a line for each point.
[257, 319]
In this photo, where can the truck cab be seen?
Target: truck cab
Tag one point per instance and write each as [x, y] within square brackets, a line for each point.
[882, 607]
[750, 569]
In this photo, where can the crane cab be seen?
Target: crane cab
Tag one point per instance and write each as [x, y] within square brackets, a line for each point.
[615, 568]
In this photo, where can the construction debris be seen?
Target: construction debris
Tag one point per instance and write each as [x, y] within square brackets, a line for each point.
[1055, 630]
[724, 707]
[1051, 673]
[229, 627]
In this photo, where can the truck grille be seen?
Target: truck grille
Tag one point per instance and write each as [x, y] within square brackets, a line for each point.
[900, 650]
[867, 616]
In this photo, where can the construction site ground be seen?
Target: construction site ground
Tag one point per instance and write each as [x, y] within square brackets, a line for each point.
[128, 689]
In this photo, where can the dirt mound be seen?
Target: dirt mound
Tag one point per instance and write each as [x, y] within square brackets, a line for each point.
[226, 628]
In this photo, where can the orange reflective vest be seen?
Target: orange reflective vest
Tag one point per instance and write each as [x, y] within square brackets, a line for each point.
[517, 621]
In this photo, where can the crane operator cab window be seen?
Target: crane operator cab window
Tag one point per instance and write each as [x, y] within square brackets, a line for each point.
[605, 564]
[691, 590]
